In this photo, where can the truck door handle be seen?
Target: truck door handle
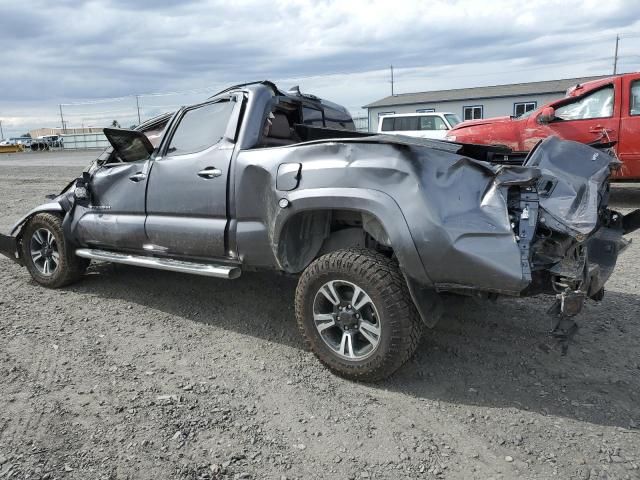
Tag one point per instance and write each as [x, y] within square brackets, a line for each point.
[599, 129]
[137, 177]
[210, 172]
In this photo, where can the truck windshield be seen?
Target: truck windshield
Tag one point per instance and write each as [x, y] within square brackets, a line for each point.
[528, 114]
[452, 118]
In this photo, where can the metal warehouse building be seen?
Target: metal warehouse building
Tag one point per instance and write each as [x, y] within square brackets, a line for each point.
[474, 103]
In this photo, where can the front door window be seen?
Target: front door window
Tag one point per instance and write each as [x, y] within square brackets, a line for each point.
[598, 104]
[200, 128]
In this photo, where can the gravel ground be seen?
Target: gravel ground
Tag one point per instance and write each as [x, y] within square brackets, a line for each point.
[135, 373]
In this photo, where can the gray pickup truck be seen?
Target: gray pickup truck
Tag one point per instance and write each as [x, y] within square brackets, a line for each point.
[380, 229]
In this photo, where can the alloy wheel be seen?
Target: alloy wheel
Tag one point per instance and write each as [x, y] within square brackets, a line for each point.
[44, 251]
[347, 319]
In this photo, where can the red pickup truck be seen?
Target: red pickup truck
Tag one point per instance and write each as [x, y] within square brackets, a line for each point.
[604, 110]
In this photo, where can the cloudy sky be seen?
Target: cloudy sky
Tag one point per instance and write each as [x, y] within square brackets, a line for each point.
[106, 51]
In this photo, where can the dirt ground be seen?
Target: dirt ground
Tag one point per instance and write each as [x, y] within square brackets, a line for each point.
[143, 374]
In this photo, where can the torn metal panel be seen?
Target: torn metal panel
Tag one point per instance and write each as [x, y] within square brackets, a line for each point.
[575, 177]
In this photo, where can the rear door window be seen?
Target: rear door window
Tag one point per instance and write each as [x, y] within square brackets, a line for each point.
[406, 123]
[432, 123]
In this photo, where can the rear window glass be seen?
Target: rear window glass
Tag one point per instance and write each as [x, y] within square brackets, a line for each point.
[340, 125]
[312, 116]
[201, 128]
[338, 119]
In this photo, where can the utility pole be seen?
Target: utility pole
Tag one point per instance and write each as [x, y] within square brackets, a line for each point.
[392, 80]
[64, 130]
[138, 107]
[615, 56]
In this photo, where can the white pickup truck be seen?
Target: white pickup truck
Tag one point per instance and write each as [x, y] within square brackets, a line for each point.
[424, 125]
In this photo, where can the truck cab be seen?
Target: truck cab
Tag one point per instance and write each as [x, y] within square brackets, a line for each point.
[601, 111]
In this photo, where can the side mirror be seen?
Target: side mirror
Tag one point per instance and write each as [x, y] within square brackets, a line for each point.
[547, 115]
[131, 145]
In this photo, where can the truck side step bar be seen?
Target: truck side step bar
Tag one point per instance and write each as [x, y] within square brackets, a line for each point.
[206, 269]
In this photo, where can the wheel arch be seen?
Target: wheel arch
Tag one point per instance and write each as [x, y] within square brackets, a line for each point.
[301, 229]
[51, 207]
[309, 234]
[11, 243]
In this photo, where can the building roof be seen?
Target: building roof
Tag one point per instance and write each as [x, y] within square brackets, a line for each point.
[493, 91]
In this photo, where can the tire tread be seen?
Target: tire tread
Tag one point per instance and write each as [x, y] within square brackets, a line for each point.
[71, 266]
[384, 273]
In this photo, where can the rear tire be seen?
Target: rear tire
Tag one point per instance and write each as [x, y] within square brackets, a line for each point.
[355, 313]
[46, 254]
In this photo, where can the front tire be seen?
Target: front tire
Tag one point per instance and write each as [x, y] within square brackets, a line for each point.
[355, 313]
[46, 254]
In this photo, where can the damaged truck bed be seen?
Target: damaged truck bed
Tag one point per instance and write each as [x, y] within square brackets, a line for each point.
[377, 227]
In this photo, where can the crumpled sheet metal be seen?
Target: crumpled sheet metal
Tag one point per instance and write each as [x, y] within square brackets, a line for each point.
[467, 239]
[580, 172]
[455, 213]
[458, 212]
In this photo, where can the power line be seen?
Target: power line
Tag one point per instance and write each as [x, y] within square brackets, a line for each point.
[373, 69]
[131, 111]
[330, 74]
[132, 96]
[435, 72]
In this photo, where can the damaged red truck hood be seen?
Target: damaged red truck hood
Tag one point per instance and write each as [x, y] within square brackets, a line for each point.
[485, 121]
